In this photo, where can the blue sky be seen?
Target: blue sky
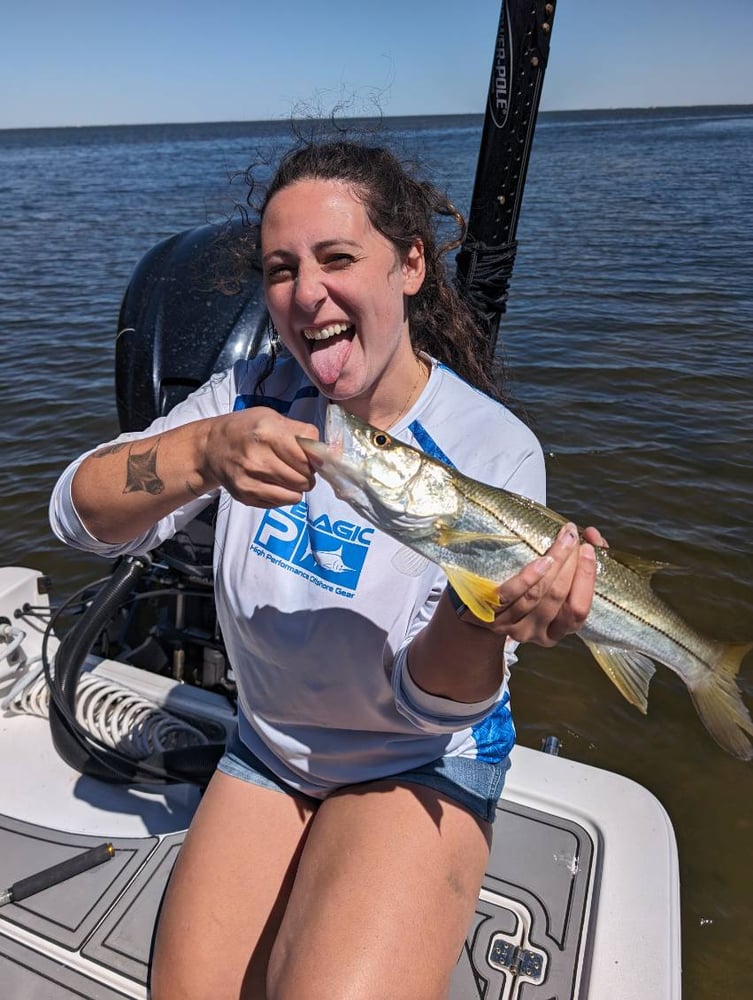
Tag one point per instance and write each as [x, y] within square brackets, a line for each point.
[93, 62]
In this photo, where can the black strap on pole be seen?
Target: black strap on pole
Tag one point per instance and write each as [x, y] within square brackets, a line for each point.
[485, 260]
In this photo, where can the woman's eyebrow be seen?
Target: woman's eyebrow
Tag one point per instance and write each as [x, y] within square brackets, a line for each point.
[318, 248]
[326, 244]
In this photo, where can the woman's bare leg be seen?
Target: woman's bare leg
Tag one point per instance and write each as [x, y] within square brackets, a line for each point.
[384, 895]
[227, 893]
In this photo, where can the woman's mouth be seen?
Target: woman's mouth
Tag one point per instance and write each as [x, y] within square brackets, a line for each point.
[325, 332]
[329, 348]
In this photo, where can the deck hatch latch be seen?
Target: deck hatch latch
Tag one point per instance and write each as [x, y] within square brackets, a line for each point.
[509, 957]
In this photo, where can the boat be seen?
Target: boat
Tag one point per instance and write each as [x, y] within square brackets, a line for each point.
[564, 909]
[115, 706]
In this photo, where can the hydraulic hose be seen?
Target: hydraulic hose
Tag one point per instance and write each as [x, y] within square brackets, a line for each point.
[78, 747]
[77, 643]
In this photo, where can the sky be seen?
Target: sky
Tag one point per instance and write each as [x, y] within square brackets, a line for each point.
[110, 62]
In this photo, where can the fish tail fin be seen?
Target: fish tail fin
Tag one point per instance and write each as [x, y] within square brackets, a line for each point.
[718, 702]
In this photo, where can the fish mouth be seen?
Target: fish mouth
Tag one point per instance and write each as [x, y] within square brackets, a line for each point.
[317, 452]
[331, 450]
[335, 426]
[333, 459]
[327, 458]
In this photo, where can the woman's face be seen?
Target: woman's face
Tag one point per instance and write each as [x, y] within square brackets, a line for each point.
[336, 290]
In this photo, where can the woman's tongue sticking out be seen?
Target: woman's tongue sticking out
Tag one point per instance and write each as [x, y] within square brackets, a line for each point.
[328, 356]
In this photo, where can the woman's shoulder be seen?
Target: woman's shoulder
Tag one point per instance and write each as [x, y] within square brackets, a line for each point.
[474, 409]
[479, 436]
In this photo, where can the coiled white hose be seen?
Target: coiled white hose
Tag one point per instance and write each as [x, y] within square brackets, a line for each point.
[14, 637]
[116, 715]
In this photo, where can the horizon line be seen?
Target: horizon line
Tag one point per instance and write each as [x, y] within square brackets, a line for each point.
[434, 114]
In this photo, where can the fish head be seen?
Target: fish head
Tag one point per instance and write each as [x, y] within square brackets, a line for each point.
[396, 487]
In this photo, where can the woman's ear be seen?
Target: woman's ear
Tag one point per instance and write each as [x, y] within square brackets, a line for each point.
[414, 268]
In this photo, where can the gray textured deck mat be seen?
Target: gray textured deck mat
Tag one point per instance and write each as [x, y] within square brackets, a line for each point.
[27, 975]
[526, 941]
[528, 938]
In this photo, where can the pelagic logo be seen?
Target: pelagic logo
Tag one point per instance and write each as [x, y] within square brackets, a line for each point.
[329, 553]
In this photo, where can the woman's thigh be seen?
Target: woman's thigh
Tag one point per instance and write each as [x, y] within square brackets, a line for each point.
[227, 893]
[385, 891]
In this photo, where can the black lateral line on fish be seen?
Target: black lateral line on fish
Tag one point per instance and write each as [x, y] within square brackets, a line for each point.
[651, 625]
[479, 503]
[635, 617]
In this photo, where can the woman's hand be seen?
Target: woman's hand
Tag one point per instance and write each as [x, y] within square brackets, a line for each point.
[122, 490]
[254, 455]
[551, 597]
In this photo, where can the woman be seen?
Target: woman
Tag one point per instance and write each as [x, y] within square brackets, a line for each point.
[339, 849]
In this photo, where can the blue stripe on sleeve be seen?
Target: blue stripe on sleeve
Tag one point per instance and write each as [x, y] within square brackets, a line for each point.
[246, 400]
[495, 736]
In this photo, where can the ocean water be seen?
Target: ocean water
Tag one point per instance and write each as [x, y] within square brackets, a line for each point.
[629, 344]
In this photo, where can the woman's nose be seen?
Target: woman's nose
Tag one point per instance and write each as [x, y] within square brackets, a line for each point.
[310, 290]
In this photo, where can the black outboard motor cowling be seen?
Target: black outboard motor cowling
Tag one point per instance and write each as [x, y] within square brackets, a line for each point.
[185, 316]
[193, 307]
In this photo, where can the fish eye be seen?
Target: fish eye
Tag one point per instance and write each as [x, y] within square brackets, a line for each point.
[380, 439]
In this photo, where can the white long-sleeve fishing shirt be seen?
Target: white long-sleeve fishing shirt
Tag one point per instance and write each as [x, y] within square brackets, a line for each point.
[317, 607]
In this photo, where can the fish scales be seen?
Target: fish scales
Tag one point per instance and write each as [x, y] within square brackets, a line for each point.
[482, 535]
[618, 587]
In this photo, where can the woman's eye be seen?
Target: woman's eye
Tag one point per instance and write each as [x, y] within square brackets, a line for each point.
[338, 261]
[279, 272]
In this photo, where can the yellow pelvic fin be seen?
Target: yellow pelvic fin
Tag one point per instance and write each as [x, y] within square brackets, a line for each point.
[630, 672]
[481, 596]
[721, 708]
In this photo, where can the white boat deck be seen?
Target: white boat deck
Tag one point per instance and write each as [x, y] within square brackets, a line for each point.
[627, 937]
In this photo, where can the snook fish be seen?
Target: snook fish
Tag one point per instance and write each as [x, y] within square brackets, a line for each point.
[481, 536]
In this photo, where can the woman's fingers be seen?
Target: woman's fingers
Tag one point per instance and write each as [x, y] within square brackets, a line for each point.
[254, 454]
[528, 586]
[574, 610]
[545, 580]
[554, 569]
[550, 597]
[595, 537]
[283, 441]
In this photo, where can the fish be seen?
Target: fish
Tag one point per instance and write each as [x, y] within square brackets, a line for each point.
[481, 535]
[333, 561]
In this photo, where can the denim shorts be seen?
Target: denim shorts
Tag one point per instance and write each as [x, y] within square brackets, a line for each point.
[474, 784]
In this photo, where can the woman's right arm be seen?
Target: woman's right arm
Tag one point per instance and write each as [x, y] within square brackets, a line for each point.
[121, 490]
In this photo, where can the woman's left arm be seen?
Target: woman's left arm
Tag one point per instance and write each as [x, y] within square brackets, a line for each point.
[458, 657]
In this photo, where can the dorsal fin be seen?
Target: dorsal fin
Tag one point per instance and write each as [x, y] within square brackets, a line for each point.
[638, 564]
